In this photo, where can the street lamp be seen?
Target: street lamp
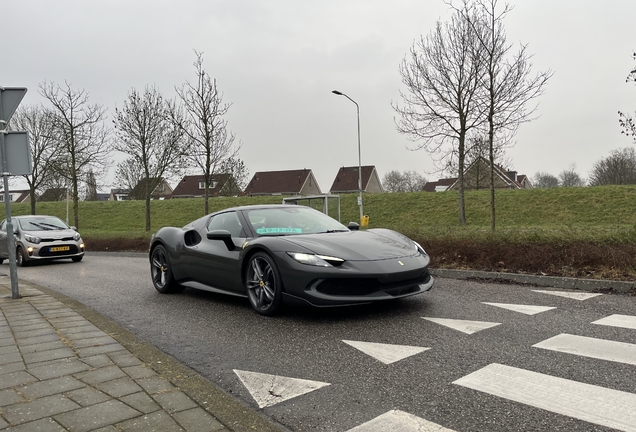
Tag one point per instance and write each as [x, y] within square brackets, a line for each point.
[359, 154]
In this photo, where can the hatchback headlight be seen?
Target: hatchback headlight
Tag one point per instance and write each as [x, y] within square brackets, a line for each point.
[32, 239]
[315, 260]
[77, 236]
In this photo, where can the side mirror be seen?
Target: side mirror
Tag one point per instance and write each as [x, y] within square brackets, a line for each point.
[74, 228]
[353, 226]
[222, 235]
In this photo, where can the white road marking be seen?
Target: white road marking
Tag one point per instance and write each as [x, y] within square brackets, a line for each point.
[268, 390]
[524, 309]
[624, 321]
[572, 295]
[386, 353]
[468, 327]
[620, 352]
[399, 421]
[594, 404]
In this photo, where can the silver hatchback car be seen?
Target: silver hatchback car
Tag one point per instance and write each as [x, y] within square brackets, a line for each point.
[39, 237]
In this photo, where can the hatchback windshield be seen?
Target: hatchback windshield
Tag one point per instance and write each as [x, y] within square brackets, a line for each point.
[292, 221]
[42, 224]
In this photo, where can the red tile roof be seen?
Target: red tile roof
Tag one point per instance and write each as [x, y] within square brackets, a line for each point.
[278, 182]
[347, 179]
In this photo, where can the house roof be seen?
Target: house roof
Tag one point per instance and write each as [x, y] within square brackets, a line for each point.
[499, 171]
[347, 178]
[162, 188]
[279, 182]
[430, 186]
[189, 185]
[53, 194]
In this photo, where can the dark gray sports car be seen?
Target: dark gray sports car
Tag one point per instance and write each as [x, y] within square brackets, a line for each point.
[273, 252]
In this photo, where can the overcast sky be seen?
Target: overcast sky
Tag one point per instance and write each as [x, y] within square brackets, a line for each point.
[277, 62]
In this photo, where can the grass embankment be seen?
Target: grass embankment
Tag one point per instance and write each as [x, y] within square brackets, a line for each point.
[582, 232]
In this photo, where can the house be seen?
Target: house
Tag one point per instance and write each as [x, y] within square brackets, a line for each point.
[17, 196]
[194, 186]
[346, 180]
[293, 182]
[160, 192]
[54, 194]
[477, 176]
[119, 194]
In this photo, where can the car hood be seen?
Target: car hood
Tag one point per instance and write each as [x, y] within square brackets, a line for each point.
[357, 245]
[52, 234]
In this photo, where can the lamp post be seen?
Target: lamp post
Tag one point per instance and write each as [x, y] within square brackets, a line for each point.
[359, 154]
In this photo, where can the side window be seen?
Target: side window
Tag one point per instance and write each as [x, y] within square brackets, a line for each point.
[3, 226]
[227, 221]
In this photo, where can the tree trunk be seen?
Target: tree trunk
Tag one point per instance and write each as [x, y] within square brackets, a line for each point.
[147, 212]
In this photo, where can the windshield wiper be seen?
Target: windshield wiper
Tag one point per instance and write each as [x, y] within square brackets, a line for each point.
[332, 231]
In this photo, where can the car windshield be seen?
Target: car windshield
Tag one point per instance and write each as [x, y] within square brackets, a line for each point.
[292, 221]
[42, 224]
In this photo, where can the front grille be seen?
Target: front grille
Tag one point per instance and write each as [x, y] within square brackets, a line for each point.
[367, 286]
[45, 251]
[47, 239]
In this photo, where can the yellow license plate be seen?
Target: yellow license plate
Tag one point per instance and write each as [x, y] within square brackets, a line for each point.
[60, 249]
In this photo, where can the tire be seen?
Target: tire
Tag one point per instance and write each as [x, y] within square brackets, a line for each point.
[263, 284]
[161, 272]
[20, 258]
[1, 260]
[77, 258]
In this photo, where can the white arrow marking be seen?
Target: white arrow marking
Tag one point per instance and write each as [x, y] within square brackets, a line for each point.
[399, 421]
[620, 352]
[386, 353]
[571, 295]
[624, 321]
[268, 390]
[468, 327]
[524, 309]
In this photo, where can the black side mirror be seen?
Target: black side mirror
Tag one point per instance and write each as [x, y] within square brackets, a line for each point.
[222, 235]
[353, 226]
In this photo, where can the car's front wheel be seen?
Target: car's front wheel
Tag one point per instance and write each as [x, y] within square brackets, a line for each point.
[77, 258]
[161, 272]
[263, 284]
[20, 257]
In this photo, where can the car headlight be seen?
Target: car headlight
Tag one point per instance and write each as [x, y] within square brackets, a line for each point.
[32, 239]
[419, 248]
[77, 236]
[315, 260]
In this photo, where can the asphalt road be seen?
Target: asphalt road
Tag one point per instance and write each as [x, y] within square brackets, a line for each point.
[492, 379]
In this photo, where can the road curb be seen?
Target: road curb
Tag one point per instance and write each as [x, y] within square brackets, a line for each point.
[538, 280]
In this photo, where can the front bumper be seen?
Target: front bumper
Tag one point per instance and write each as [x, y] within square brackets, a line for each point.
[53, 250]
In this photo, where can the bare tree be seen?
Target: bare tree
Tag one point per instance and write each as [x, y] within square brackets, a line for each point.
[625, 120]
[543, 180]
[507, 86]
[570, 178]
[80, 132]
[147, 133]
[128, 173]
[36, 120]
[204, 125]
[407, 181]
[442, 75]
[91, 187]
[618, 168]
[238, 173]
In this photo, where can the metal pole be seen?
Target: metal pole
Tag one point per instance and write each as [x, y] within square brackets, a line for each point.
[13, 269]
[359, 153]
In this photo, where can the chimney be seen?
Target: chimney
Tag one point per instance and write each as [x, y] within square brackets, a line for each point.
[512, 175]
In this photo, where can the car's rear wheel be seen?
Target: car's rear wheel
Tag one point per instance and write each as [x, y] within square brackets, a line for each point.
[20, 257]
[161, 272]
[263, 284]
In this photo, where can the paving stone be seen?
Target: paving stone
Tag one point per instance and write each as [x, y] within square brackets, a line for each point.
[96, 416]
[155, 384]
[10, 358]
[67, 366]
[15, 379]
[43, 347]
[3, 424]
[99, 360]
[141, 402]
[9, 397]
[100, 375]
[107, 429]
[39, 340]
[198, 420]
[174, 401]
[49, 355]
[51, 387]
[12, 367]
[93, 341]
[102, 349]
[88, 396]
[42, 425]
[62, 316]
[9, 349]
[125, 358]
[34, 326]
[19, 335]
[44, 407]
[119, 387]
[76, 327]
[157, 421]
[7, 341]
[137, 372]
[84, 335]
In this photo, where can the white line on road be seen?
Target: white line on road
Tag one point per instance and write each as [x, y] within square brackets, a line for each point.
[468, 327]
[620, 352]
[399, 421]
[569, 294]
[386, 353]
[594, 404]
[624, 321]
[268, 390]
[524, 309]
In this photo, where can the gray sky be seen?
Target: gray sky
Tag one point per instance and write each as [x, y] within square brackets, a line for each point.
[277, 61]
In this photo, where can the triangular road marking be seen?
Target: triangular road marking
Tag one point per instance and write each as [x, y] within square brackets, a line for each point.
[524, 309]
[624, 321]
[571, 295]
[468, 327]
[397, 420]
[268, 390]
[386, 353]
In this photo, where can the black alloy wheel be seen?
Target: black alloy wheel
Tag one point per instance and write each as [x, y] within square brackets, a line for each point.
[263, 283]
[20, 258]
[161, 272]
